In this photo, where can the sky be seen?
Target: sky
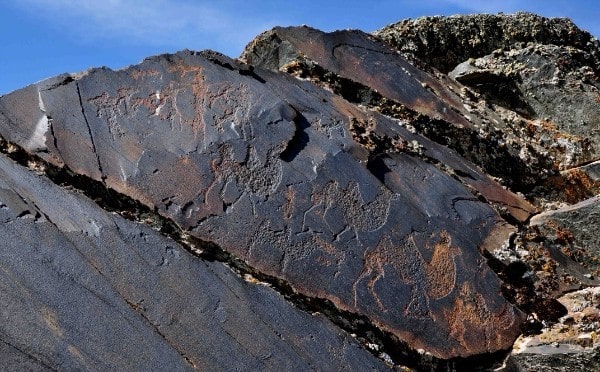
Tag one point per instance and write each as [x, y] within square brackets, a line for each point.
[43, 38]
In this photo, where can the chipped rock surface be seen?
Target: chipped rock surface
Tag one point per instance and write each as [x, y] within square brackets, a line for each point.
[571, 344]
[327, 201]
[576, 225]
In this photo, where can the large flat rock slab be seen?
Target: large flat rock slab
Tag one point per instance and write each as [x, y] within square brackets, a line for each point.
[295, 181]
[84, 289]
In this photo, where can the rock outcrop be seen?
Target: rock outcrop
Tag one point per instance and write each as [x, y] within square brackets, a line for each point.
[324, 202]
[84, 289]
[444, 42]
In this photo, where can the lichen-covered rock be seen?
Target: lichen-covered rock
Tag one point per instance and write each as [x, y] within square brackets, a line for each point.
[576, 227]
[444, 42]
[550, 84]
[570, 344]
[539, 75]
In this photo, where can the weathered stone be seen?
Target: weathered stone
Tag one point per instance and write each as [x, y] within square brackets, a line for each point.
[83, 289]
[565, 358]
[592, 171]
[332, 199]
[577, 226]
[322, 173]
[444, 42]
[553, 84]
[532, 91]
[370, 68]
[571, 344]
[469, 74]
[354, 55]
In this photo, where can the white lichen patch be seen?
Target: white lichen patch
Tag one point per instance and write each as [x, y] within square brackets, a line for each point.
[37, 140]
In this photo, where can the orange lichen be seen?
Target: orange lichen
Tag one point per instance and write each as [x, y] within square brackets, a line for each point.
[575, 185]
[140, 74]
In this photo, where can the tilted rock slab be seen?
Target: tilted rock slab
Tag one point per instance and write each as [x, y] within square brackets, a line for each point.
[83, 289]
[297, 182]
[355, 55]
[576, 223]
[358, 58]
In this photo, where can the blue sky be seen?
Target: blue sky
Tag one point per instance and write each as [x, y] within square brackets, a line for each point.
[43, 38]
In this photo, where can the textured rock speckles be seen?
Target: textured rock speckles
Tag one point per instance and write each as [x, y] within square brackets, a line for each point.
[575, 226]
[444, 42]
[571, 343]
[550, 85]
[539, 74]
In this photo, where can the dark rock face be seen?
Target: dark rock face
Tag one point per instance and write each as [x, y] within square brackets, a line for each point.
[352, 64]
[260, 177]
[348, 188]
[85, 289]
[356, 57]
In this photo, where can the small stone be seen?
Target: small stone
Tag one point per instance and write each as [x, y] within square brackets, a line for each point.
[585, 340]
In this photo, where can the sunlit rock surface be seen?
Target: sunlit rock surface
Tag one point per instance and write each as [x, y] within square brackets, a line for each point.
[373, 210]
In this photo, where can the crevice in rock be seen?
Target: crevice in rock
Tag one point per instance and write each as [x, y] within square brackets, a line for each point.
[378, 51]
[298, 141]
[381, 343]
[89, 131]
[379, 146]
[30, 356]
[519, 289]
[64, 81]
[140, 310]
[533, 295]
[221, 60]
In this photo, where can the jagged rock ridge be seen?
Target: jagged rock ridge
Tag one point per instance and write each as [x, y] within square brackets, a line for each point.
[327, 165]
